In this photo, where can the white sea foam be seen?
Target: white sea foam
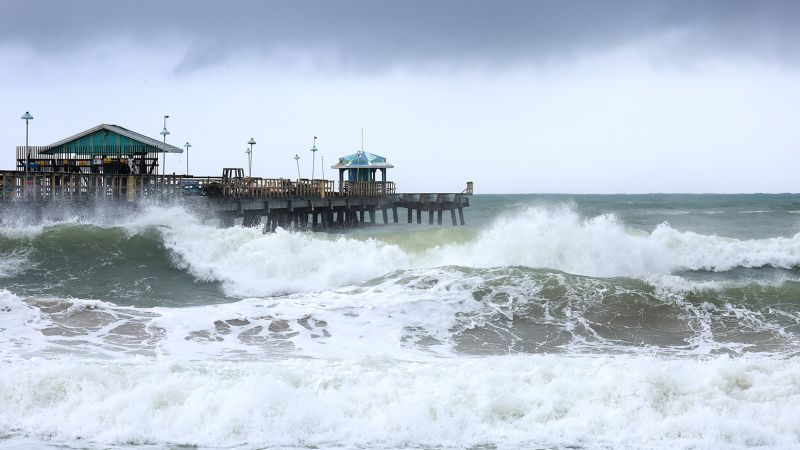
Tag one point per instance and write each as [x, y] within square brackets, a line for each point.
[410, 314]
[14, 262]
[22, 227]
[354, 343]
[602, 246]
[20, 326]
[250, 263]
[381, 402]
[420, 315]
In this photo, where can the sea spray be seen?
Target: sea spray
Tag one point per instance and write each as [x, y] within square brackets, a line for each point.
[593, 322]
[248, 262]
[251, 263]
[559, 238]
[513, 401]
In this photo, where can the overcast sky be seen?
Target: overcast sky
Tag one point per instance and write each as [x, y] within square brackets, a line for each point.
[517, 96]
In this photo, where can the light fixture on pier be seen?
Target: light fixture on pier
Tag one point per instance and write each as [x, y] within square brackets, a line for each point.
[297, 160]
[252, 142]
[26, 117]
[313, 156]
[164, 133]
[249, 152]
[187, 145]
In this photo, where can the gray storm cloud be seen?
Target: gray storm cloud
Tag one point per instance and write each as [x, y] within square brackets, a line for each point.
[379, 34]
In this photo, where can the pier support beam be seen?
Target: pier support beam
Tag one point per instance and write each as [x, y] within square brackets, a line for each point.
[419, 216]
[271, 225]
[372, 216]
[227, 220]
[394, 213]
[385, 216]
[283, 219]
[351, 218]
[461, 215]
[251, 220]
[430, 216]
[439, 216]
[453, 216]
[410, 214]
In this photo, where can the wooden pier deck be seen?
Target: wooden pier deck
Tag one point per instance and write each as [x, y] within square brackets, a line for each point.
[316, 204]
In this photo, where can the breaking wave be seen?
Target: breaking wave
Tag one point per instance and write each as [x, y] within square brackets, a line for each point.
[247, 262]
[543, 329]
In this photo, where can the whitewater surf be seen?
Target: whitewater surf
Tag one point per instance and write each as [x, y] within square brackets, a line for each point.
[549, 322]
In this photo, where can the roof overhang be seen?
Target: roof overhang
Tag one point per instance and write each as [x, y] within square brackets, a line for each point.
[363, 166]
[154, 146]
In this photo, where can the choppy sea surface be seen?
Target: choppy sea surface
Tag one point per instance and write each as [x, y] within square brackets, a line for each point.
[549, 322]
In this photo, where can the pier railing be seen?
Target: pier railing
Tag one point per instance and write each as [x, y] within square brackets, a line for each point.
[367, 188]
[98, 159]
[33, 186]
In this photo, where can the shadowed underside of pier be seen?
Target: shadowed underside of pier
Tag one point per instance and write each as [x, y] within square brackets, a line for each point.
[350, 211]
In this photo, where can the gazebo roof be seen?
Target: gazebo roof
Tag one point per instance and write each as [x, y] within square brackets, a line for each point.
[362, 160]
[152, 145]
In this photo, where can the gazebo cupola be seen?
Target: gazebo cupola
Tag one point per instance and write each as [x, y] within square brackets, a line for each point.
[362, 166]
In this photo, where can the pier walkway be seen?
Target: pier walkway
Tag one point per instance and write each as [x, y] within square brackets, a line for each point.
[272, 202]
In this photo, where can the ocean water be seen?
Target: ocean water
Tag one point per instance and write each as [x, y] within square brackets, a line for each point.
[549, 322]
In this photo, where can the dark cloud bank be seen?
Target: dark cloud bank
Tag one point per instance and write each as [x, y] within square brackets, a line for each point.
[365, 34]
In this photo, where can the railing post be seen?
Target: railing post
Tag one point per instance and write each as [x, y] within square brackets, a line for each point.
[130, 187]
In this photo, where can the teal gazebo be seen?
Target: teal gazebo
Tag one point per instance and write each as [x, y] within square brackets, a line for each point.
[362, 167]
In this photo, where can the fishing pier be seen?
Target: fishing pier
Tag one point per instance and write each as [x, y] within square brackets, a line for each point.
[110, 164]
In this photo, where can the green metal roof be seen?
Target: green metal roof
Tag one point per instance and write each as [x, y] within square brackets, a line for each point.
[362, 160]
[110, 139]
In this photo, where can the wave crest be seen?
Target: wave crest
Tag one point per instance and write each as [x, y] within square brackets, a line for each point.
[603, 246]
[249, 263]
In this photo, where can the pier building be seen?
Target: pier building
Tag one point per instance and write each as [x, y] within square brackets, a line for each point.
[105, 149]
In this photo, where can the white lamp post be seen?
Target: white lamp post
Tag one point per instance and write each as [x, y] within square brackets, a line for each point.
[249, 153]
[322, 164]
[297, 160]
[187, 145]
[164, 133]
[313, 156]
[26, 117]
[252, 142]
